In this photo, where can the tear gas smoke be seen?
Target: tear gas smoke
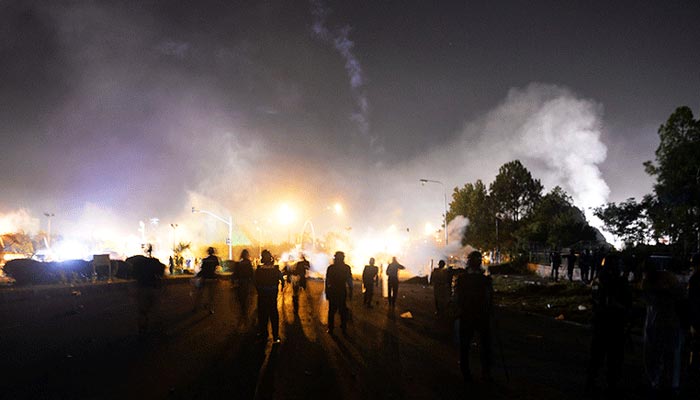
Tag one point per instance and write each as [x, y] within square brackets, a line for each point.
[19, 220]
[340, 39]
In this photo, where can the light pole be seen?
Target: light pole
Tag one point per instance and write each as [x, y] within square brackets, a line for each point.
[228, 222]
[444, 197]
[49, 215]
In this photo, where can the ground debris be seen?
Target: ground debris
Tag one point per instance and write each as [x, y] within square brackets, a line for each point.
[407, 315]
[560, 317]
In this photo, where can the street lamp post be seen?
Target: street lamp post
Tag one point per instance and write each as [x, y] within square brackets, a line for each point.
[444, 197]
[49, 215]
[228, 222]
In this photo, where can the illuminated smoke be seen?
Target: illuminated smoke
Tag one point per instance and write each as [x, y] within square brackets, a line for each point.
[556, 134]
[19, 220]
[340, 39]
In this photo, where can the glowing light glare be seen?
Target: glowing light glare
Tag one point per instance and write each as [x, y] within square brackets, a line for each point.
[285, 214]
[71, 250]
[338, 208]
[429, 229]
[6, 226]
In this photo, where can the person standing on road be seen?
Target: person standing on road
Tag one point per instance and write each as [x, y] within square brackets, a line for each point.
[441, 279]
[207, 281]
[392, 273]
[370, 279]
[475, 303]
[338, 287]
[585, 265]
[598, 255]
[663, 339]
[268, 277]
[242, 278]
[612, 299]
[555, 261]
[299, 280]
[570, 263]
[149, 282]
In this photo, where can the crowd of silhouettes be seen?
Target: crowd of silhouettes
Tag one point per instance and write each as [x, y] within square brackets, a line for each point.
[671, 330]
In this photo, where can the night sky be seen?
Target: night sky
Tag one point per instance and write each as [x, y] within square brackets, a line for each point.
[141, 108]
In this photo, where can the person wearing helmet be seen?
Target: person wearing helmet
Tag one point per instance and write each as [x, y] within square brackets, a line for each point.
[338, 288]
[242, 277]
[207, 280]
[370, 279]
[392, 273]
[475, 301]
[298, 278]
[268, 277]
[441, 279]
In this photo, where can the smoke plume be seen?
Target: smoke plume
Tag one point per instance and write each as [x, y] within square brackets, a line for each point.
[340, 39]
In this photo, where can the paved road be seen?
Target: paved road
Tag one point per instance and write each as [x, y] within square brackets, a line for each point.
[85, 346]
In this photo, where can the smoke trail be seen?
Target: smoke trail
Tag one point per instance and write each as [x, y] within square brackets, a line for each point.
[340, 39]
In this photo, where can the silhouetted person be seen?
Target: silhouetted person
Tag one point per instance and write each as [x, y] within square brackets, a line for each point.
[148, 273]
[662, 330]
[598, 255]
[694, 309]
[555, 261]
[299, 279]
[302, 268]
[585, 263]
[242, 279]
[611, 305]
[171, 265]
[338, 287]
[441, 279]
[268, 277]
[392, 273]
[570, 263]
[474, 293]
[370, 280]
[208, 280]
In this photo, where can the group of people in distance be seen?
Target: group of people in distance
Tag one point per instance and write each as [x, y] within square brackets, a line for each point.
[588, 261]
[267, 278]
[672, 314]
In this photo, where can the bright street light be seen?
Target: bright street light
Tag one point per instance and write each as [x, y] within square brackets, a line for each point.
[228, 222]
[444, 194]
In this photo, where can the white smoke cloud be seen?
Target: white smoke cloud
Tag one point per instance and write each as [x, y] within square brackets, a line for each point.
[556, 134]
[18, 220]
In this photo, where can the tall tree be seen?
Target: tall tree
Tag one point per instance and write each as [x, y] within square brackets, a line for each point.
[628, 220]
[514, 191]
[473, 202]
[676, 197]
[555, 222]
